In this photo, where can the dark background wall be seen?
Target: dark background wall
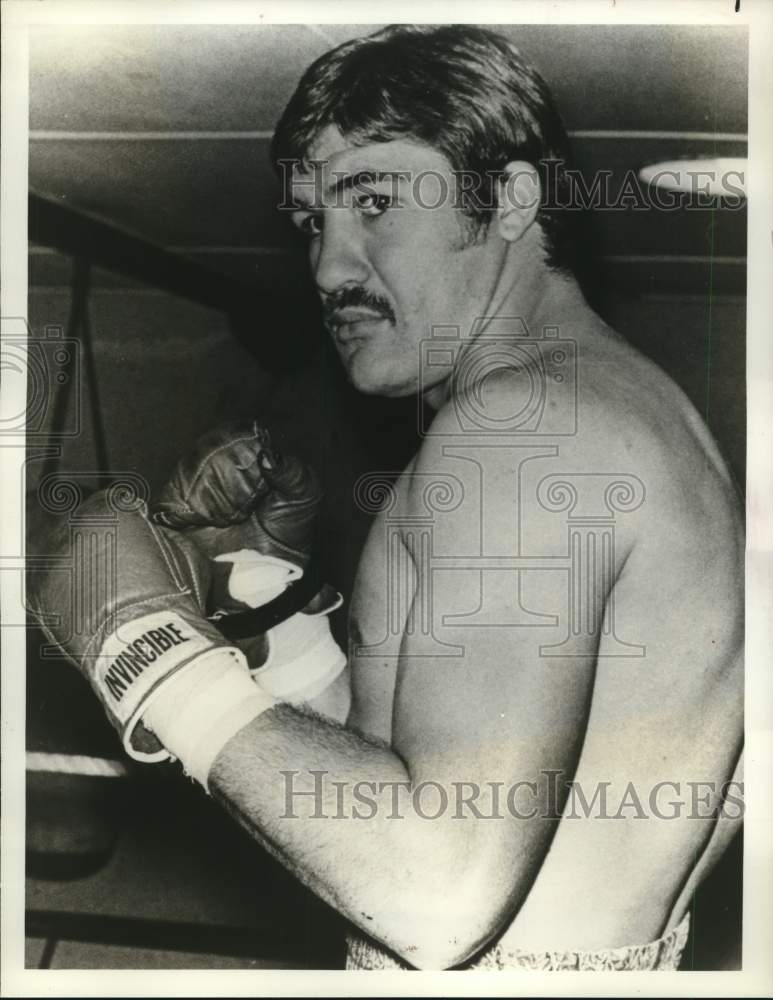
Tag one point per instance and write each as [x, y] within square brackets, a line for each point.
[164, 135]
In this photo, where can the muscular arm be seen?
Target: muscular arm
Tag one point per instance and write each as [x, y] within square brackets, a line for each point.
[492, 715]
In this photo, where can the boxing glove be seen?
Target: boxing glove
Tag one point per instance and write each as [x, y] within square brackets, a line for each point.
[236, 478]
[253, 511]
[124, 599]
[245, 504]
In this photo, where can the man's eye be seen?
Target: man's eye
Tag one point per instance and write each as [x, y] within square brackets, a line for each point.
[373, 204]
[309, 225]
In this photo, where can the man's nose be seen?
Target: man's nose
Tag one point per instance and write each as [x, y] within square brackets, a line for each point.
[340, 259]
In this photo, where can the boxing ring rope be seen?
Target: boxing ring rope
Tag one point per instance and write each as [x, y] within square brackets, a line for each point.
[77, 764]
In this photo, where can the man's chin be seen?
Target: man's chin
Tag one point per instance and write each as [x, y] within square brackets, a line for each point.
[371, 383]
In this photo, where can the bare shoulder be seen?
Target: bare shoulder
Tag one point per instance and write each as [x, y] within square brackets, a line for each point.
[622, 449]
[601, 408]
[631, 413]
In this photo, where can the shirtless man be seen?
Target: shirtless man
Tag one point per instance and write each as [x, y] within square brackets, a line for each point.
[546, 628]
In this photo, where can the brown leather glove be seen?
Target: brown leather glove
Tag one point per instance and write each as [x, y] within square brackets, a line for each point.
[125, 600]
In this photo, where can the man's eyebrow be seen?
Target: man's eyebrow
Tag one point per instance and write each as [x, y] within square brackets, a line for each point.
[365, 176]
[345, 182]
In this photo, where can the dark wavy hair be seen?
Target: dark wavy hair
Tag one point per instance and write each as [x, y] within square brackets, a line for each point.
[464, 90]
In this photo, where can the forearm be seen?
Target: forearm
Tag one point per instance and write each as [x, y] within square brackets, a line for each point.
[385, 868]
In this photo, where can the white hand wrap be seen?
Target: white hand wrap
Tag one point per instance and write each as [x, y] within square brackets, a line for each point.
[303, 657]
[203, 707]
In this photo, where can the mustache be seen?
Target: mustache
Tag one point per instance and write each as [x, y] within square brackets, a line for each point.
[357, 298]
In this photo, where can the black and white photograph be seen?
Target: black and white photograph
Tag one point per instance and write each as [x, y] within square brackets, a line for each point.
[385, 469]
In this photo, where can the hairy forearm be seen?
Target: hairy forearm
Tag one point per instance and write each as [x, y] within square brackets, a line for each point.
[386, 868]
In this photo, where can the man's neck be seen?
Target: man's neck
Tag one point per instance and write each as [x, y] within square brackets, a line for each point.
[523, 305]
[539, 297]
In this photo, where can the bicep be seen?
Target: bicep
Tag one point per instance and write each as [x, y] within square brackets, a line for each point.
[495, 702]
[479, 678]
[500, 728]
[480, 697]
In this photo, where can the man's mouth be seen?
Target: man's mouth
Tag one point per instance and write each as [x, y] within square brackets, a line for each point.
[353, 324]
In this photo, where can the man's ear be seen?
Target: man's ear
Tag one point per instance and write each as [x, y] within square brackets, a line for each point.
[520, 192]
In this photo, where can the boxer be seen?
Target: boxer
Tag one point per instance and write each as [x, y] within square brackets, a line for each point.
[544, 725]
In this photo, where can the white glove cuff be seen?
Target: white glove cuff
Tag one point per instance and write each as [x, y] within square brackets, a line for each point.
[256, 579]
[203, 707]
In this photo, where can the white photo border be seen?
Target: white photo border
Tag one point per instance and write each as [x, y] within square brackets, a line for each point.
[756, 978]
